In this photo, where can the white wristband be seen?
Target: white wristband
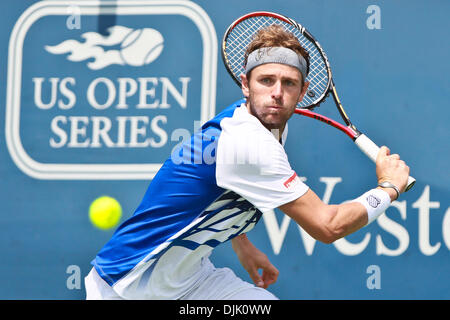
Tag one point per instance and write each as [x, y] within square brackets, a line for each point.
[376, 201]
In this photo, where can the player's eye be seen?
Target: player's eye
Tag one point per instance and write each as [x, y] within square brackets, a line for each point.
[289, 83]
[266, 81]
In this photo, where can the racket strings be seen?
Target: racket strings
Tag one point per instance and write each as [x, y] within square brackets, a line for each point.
[239, 39]
[242, 34]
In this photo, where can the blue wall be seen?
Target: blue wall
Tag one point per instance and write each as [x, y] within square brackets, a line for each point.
[393, 81]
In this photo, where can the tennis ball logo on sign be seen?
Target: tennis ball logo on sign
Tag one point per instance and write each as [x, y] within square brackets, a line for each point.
[142, 47]
[137, 47]
[106, 98]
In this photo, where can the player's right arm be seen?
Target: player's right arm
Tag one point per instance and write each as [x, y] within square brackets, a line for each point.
[252, 259]
[327, 223]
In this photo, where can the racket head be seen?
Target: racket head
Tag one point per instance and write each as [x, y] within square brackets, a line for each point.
[242, 31]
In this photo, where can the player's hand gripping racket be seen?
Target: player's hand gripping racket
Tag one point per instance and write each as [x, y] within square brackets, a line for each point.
[241, 32]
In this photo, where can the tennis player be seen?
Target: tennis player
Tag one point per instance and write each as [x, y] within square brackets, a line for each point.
[216, 186]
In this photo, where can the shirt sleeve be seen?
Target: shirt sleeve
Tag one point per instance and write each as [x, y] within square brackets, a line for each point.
[252, 163]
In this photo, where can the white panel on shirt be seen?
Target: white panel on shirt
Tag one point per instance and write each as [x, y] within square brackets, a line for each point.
[180, 269]
[251, 162]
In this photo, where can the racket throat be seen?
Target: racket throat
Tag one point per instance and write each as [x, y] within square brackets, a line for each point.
[340, 107]
[356, 132]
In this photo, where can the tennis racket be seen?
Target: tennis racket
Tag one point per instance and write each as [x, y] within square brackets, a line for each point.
[234, 44]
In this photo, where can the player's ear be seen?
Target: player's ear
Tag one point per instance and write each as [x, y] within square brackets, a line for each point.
[245, 88]
[304, 89]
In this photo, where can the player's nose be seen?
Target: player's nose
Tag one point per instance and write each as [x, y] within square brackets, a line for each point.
[277, 90]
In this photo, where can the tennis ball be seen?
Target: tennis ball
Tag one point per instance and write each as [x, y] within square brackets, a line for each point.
[105, 212]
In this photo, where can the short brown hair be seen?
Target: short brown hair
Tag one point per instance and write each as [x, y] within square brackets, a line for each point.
[276, 36]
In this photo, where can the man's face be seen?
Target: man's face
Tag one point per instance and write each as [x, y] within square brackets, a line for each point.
[273, 93]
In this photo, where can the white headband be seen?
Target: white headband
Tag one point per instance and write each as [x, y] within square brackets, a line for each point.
[276, 55]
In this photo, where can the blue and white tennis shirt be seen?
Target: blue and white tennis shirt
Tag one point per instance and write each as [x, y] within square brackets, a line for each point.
[212, 188]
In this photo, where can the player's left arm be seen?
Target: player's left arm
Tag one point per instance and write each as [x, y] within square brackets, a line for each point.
[328, 223]
[252, 259]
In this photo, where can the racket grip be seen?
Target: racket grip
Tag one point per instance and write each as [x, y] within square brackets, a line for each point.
[370, 149]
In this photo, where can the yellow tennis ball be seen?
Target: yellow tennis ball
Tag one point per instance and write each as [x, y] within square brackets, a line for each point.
[105, 212]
